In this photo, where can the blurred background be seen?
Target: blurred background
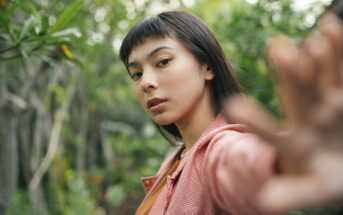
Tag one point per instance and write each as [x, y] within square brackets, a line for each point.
[73, 138]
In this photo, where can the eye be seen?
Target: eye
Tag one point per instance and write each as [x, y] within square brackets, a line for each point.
[135, 76]
[163, 63]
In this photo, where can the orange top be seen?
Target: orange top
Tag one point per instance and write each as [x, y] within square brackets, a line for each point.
[144, 209]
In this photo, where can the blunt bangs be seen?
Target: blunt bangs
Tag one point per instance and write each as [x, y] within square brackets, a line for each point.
[149, 27]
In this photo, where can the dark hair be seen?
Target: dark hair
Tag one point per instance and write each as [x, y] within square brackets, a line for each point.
[193, 33]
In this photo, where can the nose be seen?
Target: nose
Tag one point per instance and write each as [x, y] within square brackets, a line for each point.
[149, 81]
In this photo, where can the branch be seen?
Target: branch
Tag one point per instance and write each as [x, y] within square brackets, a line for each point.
[20, 55]
[9, 48]
[17, 101]
[54, 137]
[15, 46]
[11, 58]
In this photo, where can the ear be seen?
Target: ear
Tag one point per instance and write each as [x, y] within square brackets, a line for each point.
[209, 74]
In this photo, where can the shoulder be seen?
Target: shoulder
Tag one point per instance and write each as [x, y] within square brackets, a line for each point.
[239, 149]
[237, 140]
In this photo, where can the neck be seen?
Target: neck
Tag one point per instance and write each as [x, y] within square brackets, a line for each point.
[195, 123]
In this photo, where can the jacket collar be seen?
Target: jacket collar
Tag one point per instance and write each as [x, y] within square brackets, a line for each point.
[149, 183]
[219, 123]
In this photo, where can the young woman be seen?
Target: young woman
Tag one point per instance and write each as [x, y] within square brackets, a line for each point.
[182, 79]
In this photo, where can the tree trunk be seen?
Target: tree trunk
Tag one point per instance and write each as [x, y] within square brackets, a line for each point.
[8, 158]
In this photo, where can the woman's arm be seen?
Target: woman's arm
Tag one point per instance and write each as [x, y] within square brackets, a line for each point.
[238, 164]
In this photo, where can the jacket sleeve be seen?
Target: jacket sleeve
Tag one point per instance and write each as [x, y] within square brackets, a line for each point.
[237, 165]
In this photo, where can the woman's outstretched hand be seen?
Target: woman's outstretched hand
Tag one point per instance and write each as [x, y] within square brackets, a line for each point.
[310, 143]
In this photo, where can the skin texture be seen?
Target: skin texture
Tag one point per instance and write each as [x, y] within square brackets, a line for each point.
[163, 68]
[310, 152]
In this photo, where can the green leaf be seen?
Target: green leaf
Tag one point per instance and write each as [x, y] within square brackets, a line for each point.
[66, 16]
[49, 39]
[67, 32]
[24, 53]
[76, 62]
[4, 38]
[45, 58]
[33, 9]
[28, 25]
[45, 25]
[59, 36]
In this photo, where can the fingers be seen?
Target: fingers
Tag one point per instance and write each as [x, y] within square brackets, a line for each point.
[283, 54]
[331, 27]
[325, 56]
[290, 61]
[241, 109]
[308, 72]
[297, 79]
[325, 51]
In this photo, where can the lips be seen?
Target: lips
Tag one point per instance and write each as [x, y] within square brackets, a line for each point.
[155, 101]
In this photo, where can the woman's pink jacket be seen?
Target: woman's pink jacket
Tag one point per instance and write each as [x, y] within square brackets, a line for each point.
[220, 174]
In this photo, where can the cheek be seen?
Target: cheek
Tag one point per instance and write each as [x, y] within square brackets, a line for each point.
[175, 81]
[182, 75]
[186, 82]
[138, 95]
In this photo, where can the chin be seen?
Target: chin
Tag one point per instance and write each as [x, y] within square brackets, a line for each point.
[163, 120]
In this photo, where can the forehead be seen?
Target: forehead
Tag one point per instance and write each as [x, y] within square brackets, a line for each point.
[149, 44]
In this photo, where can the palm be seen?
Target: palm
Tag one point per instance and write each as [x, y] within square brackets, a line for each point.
[310, 152]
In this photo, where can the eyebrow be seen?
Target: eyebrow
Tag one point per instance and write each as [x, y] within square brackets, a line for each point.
[150, 55]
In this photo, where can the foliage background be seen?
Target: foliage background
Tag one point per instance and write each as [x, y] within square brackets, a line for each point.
[74, 140]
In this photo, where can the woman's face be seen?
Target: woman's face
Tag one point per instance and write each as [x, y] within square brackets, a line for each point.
[168, 81]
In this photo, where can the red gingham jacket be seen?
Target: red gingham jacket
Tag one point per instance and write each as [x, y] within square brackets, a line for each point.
[220, 174]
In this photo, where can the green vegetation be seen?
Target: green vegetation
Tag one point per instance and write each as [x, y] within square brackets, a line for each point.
[74, 140]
